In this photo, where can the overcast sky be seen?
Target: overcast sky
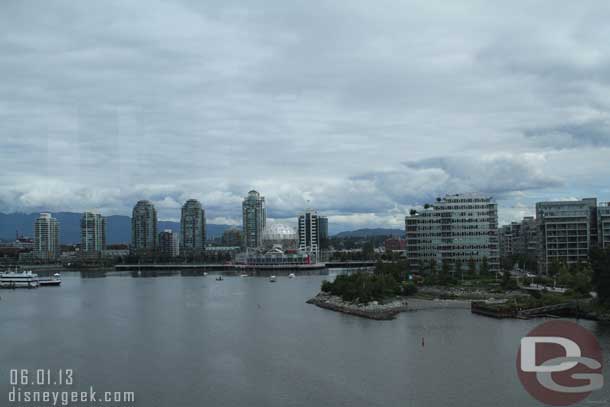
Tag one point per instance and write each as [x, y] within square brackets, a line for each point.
[364, 108]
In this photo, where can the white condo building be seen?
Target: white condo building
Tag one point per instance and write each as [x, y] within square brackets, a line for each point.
[93, 233]
[460, 227]
[46, 237]
[309, 233]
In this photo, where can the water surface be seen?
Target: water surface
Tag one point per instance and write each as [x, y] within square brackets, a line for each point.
[194, 341]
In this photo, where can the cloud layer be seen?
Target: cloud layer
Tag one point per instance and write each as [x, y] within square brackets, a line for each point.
[361, 110]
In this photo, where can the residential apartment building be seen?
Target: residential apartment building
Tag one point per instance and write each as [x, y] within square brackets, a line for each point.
[144, 228]
[454, 228]
[567, 231]
[92, 233]
[603, 224]
[254, 215]
[169, 243]
[309, 233]
[46, 238]
[519, 238]
[192, 227]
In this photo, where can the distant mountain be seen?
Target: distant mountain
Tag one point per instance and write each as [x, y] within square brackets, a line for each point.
[371, 232]
[118, 227]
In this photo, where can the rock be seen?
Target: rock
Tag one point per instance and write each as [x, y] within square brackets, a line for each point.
[372, 310]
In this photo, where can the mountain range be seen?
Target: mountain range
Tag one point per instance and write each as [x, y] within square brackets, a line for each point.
[371, 232]
[118, 227]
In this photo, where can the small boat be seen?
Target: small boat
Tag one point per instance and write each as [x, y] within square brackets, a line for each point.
[243, 275]
[219, 277]
[272, 279]
[291, 275]
[57, 275]
[205, 273]
[54, 281]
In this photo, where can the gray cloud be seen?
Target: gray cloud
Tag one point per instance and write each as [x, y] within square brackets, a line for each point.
[595, 133]
[105, 104]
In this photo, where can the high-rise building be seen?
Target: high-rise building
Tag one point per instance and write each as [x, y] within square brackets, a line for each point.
[323, 231]
[455, 228]
[144, 228]
[92, 233]
[567, 230]
[603, 222]
[309, 236]
[232, 237]
[46, 237]
[192, 227]
[169, 245]
[254, 219]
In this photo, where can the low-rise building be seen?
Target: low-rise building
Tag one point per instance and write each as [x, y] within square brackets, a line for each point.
[456, 228]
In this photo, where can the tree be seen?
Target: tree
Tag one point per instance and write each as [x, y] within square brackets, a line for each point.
[457, 267]
[472, 266]
[445, 267]
[484, 269]
[433, 268]
[507, 281]
[600, 264]
[555, 267]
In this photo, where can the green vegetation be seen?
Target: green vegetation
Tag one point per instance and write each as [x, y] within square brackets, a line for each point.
[508, 283]
[363, 287]
[600, 265]
[388, 280]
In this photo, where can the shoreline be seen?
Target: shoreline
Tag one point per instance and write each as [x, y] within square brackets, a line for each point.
[373, 310]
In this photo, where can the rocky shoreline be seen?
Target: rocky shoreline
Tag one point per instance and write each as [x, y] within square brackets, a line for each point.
[372, 310]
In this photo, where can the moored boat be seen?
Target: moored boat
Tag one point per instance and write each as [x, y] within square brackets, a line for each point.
[18, 279]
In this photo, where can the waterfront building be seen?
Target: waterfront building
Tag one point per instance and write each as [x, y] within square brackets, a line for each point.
[323, 232]
[46, 238]
[92, 233]
[192, 227]
[144, 228]
[505, 241]
[567, 231]
[460, 227]
[254, 219]
[529, 235]
[232, 237]
[519, 241]
[603, 221]
[309, 236]
[169, 245]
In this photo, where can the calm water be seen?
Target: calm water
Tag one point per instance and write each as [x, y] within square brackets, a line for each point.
[193, 341]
